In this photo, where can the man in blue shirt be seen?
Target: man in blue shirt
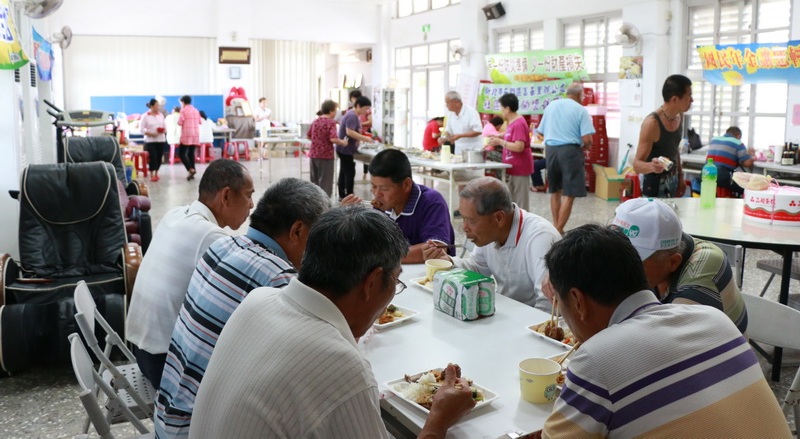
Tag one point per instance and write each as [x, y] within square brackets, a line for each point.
[268, 255]
[728, 153]
[567, 129]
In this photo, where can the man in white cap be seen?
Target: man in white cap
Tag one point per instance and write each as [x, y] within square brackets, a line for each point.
[678, 267]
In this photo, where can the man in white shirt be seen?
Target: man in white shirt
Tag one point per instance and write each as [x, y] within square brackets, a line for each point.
[262, 115]
[463, 124]
[181, 239]
[287, 364]
[510, 242]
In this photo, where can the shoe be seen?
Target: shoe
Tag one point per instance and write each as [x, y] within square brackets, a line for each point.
[154, 178]
[457, 214]
[537, 189]
[191, 175]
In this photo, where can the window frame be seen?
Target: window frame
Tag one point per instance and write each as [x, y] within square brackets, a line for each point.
[423, 9]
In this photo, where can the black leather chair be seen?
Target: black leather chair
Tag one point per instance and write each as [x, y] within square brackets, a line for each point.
[133, 193]
[70, 229]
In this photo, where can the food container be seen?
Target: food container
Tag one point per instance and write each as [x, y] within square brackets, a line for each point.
[463, 294]
[472, 156]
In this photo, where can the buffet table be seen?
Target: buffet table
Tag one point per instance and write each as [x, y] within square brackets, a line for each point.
[774, 168]
[432, 339]
[428, 170]
[726, 223]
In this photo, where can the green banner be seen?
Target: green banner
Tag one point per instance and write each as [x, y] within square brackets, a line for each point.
[533, 97]
[536, 66]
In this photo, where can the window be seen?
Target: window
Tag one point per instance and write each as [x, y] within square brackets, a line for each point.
[601, 54]
[760, 109]
[409, 7]
[520, 40]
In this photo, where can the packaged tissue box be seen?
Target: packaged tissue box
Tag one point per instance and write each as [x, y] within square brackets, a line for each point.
[463, 294]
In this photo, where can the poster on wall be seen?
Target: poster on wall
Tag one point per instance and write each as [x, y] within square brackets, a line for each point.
[631, 67]
[754, 63]
[467, 86]
[536, 66]
[43, 53]
[533, 97]
[11, 54]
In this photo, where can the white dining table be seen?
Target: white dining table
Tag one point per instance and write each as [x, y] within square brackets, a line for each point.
[428, 168]
[288, 144]
[725, 222]
[488, 350]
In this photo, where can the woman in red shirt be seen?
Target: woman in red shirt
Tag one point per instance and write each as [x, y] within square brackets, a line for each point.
[323, 135]
[429, 138]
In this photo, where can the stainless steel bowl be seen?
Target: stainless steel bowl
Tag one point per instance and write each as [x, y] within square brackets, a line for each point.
[472, 156]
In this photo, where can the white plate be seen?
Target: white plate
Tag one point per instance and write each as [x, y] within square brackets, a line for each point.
[488, 395]
[427, 287]
[561, 323]
[407, 314]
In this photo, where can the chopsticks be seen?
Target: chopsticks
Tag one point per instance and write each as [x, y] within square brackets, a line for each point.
[565, 356]
[554, 312]
[444, 246]
[438, 384]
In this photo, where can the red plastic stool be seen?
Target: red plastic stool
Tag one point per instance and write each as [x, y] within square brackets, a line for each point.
[172, 154]
[635, 190]
[204, 154]
[140, 160]
[236, 143]
[724, 192]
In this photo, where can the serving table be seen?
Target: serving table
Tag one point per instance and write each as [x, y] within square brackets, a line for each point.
[775, 168]
[726, 223]
[488, 351]
[428, 170]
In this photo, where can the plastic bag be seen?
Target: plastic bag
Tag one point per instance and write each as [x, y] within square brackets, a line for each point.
[754, 182]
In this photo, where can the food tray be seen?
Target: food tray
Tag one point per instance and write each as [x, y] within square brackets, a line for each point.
[427, 286]
[488, 395]
[561, 323]
[407, 314]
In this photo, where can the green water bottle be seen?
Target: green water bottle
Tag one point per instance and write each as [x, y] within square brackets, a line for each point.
[708, 184]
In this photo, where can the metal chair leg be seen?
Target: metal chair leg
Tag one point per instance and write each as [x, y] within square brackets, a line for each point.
[769, 281]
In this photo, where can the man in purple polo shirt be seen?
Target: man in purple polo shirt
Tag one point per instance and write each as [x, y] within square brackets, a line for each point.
[419, 211]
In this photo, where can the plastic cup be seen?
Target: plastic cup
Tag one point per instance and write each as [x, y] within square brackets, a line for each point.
[434, 265]
[537, 380]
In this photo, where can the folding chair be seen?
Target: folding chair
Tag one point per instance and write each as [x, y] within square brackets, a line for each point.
[777, 325]
[91, 384]
[134, 390]
[775, 267]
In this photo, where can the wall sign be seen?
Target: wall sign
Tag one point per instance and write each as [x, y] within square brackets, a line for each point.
[234, 55]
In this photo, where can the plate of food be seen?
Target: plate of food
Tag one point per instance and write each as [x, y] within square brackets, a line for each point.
[559, 333]
[419, 389]
[424, 283]
[394, 315]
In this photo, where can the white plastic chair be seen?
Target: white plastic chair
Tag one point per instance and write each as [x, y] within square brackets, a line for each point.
[735, 254]
[777, 325]
[136, 392]
[91, 384]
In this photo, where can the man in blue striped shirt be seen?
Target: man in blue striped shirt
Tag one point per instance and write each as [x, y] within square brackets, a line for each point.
[728, 153]
[267, 255]
[647, 369]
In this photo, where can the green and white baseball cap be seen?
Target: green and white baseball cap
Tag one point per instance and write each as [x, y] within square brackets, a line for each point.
[650, 224]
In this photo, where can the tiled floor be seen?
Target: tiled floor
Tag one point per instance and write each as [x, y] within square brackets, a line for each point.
[44, 403]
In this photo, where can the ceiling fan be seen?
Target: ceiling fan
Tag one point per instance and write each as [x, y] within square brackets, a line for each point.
[39, 8]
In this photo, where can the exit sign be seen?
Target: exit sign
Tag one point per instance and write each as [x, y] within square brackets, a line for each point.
[426, 28]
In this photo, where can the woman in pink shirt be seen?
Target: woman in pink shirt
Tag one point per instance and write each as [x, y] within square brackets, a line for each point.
[190, 122]
[153, 128]
[323, 135]
[517, 152]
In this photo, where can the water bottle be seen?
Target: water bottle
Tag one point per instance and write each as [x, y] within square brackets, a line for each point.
[708, 184]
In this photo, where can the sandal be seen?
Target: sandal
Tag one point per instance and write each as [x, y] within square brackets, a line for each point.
[537, 189]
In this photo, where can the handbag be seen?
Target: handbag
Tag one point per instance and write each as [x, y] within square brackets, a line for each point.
[694, 140]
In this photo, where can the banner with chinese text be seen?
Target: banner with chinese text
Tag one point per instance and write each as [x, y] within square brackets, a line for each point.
[536, 66]
[533, 97]
[739, 64]
[11, 54]
[43, 53]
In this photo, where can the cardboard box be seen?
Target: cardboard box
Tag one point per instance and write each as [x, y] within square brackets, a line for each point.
[608, 183]
[463, 294]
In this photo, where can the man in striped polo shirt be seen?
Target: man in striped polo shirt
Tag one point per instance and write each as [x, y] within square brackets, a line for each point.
[267, 255]
[728, 153]
[647, 369]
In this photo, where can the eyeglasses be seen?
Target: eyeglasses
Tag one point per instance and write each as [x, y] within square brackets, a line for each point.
[400, 287]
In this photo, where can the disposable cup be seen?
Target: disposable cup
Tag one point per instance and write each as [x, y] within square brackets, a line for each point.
[537, 380]
[434, 265]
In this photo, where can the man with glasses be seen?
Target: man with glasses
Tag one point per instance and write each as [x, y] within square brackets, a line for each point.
[510, 242]
[307, 377]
